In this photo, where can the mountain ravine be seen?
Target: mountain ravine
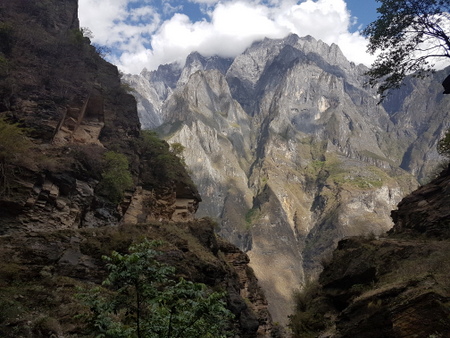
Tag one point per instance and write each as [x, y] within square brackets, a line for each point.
[291, 152]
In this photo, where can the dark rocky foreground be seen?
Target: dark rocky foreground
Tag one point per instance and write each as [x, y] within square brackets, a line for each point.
[396, 285]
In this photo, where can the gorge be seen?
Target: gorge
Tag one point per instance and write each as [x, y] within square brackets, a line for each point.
[287, 156]
[291, 151]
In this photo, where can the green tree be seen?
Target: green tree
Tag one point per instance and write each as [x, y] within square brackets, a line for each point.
[116, 178]
[168, 160]
[177, 149]
[145, 301]
[408, 34]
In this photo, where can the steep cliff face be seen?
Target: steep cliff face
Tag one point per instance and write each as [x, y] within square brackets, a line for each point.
[393, 286]
[59, 212]
[421, 112]
[291, 152]
[42, 271]
[74, 108]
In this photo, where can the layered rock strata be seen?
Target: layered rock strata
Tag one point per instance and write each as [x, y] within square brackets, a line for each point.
[69, 109]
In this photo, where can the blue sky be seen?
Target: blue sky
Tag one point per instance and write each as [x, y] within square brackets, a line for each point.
[147, 33]
[365, 11]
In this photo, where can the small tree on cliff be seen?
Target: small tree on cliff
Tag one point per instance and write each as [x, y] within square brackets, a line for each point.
[116, 177]
[408, 34]
[143, 300]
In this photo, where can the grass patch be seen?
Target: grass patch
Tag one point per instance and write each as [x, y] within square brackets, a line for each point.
[251, 216]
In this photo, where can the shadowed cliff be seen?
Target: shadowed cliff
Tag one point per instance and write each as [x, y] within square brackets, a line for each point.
[79, 180]
[395, 285]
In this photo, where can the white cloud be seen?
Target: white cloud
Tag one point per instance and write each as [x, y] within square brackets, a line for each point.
[233, 26]
[113, 24]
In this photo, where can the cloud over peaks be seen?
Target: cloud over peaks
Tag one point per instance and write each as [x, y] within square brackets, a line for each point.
[143, 35]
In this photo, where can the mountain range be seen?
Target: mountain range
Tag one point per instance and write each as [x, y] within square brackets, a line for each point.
[297, 166]
[291, 151]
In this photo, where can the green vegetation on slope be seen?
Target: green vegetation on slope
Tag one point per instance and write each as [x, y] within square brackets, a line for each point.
[335, 171]
[40, 282]
[116, 178]
[143, 299]
[160, 162]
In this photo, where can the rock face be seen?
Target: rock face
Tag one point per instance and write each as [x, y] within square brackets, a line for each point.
[291, 152]
[57, 216]
[392, 286]
[421, 114]
[75, 111]
[426, 211]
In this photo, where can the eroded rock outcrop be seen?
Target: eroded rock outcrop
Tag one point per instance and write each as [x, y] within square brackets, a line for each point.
[56, 217]
[392, 286]
[426, 211]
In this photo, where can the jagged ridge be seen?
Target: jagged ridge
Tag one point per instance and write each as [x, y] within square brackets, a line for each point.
[291, 151]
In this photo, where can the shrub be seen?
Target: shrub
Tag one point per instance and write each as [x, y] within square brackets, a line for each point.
[103, 52]
[308, 318]
[116, 178]
[144, 300]
[162, 164]
[127, 88]
[81, 36]
[177, 149]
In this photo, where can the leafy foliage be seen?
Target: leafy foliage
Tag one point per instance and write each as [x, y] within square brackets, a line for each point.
[144, 301]
[81, 36]
[177, 149]
[102, 51]
[116, 177]
[86, 32]
[12, 140]
[167, 163]
[407, 33]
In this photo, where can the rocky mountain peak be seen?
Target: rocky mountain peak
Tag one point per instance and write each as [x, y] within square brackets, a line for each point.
[167, 74]
[291, 152]
[195, 62]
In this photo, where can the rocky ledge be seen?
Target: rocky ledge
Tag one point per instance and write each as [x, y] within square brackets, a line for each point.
[389, 286]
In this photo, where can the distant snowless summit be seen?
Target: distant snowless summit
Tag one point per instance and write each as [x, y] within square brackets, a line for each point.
[291, 151]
